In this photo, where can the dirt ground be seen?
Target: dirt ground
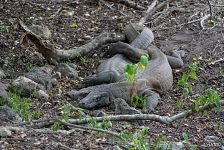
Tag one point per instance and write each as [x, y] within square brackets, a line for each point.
[176, 26]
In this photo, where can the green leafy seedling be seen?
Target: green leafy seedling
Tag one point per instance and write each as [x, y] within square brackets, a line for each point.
[131, 71]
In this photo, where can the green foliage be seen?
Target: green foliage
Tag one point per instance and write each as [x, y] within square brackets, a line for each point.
[106, 124]
[131, 71]
[29, 66]
[4, 28]
[211, 21]
[138, 101]
[210, 96]
[66, 110]
[23, 106]
[185, 136]
[35, 94]
[7, 66]
[82, 59]
[137, 140]
[56, 126]
[186, 84]
[161, 143]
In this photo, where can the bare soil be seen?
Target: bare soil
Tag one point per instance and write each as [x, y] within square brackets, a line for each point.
[74, 24]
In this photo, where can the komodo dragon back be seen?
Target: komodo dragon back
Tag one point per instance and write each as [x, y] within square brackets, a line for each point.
[158, 72]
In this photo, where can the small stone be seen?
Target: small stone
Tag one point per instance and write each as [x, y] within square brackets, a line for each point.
[25, 85]
[211, 139]
[87, 37]
[177, 146]
[4, 132]
[43, 94]
[67, 70]
[87, 15]
[9, 113]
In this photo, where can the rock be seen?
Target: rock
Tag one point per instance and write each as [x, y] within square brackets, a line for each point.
[24, 85]
[3, 94]
[4, 132]
[2, 74]
[177, 146]
[41, 76]
[43, 94]
[211, 139]
[122, 107]
[9, 113]
[67, 70]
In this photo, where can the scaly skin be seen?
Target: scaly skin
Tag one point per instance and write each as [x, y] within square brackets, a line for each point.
[156, 77]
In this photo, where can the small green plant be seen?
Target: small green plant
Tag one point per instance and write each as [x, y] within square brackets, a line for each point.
[7, 66]
[23, 106]
[186, 84]
[29, 66]
[210, 96]
[82, 59]
[35, 94]
[66, 111]
[185, 136]
[105, 124]
[4, 28]
[7, 63]
[137, 140]
[131, 71]
[161, 143]
[138, 101]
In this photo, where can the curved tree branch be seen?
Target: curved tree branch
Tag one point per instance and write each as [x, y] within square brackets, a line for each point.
[153, 117]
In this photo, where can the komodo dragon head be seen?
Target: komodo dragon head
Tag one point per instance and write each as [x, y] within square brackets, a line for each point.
[100, 95]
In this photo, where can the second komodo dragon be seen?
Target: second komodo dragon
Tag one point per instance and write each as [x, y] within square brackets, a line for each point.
[112, 69]
[156, 79]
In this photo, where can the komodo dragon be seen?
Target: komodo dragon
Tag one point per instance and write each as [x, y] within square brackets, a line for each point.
[156, 79]
[112, 69]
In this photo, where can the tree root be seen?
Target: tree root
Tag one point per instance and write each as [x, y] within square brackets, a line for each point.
[55, 55]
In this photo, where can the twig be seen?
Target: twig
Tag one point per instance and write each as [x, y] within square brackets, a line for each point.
[203, 20]
[216, 61]
[102, 1]
[210, 9]
[153, 117]
[129, 3]
[150, 8]
[193, 21]
[150, 12]
[90, 128]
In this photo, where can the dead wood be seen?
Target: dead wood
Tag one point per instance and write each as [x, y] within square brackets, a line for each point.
[162, 119]
[147, 13]
[152, 9]
[128, 3]
[54, 55]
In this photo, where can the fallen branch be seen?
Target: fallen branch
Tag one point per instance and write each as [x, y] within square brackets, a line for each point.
[129, 3]
[147, 13]
[152, 9]
[55, 55]
[90, 128]
[216, 61]
[153, 117]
